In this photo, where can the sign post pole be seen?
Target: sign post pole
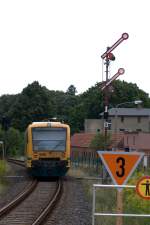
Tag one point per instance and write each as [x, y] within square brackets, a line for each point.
[119, 220]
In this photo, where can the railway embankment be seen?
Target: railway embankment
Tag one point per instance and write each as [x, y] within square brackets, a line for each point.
[74, 207]
[13, 179]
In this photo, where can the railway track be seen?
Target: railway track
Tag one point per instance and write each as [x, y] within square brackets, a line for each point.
[33, 204]
[72, 208]
[33, 209]
[16, 161]
[7, 208]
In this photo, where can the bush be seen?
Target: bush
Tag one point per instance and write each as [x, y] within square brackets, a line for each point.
[101, 142]
[3, 168]
[14, 141]
[133, 203]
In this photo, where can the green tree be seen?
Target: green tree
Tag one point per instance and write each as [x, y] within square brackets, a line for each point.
[71, 90]
[100, 142]
[33, 103]
[126, 92]
[77, 114]
[36, 102]
[6, 103]
[93, 101]
[14, 142]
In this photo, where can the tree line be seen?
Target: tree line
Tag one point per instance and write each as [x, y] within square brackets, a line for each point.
[36, 103]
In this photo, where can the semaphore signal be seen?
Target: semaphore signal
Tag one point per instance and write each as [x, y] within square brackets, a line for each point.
[108, 56]
[120, 72]
[124, 36]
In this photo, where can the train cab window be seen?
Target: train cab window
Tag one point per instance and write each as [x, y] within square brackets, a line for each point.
[49, 139]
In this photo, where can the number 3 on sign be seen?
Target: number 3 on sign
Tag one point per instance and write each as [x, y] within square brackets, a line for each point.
[120, 166]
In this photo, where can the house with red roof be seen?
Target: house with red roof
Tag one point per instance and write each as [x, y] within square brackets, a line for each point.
[82, 141]
[80, 146]
[126, 141]
[82, 153]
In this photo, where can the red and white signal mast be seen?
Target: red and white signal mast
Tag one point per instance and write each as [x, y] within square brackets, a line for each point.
[108, 56]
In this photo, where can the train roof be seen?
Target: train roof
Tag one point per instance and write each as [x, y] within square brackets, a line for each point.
[47, 124]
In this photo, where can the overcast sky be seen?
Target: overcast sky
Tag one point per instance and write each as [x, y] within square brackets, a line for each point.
[60, 42]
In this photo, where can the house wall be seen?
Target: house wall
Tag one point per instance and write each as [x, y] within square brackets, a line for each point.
[131, 123]
[138, 141]
[124, 123]
[93, 125]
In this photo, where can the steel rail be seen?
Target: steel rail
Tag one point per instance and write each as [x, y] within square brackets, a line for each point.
[16, 161]
[51, 204]
[28, 190]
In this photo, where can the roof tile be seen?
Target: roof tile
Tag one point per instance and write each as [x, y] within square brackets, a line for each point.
[82, 139]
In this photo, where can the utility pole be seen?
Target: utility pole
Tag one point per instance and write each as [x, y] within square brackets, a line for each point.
[106, 97]
[108, 56]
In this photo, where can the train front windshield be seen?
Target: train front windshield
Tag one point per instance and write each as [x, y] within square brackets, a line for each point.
[49, 139]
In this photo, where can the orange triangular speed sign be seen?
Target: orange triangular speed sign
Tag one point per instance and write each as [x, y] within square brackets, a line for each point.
[120, 165]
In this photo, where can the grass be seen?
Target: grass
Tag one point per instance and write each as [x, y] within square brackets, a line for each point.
[84, 171]
[77, 172]
[4, 168]
[106, 199]
[89, 173]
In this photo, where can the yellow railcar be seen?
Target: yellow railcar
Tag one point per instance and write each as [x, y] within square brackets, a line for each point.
[47, 149]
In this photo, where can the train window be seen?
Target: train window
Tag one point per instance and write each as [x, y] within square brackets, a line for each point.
[49, 139]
